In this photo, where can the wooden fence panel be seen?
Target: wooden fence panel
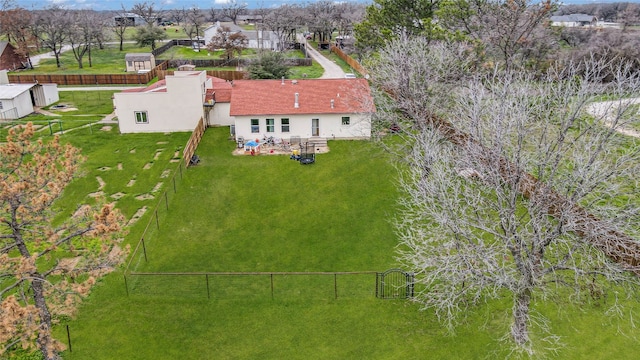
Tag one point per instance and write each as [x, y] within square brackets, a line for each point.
[349, 60]
[193, 142]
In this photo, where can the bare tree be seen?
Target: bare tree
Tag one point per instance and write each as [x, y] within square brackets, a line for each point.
[83, 31]
[320, 19]
[283, 21]
[194, 24]
[120, 27]
[147, 12]
[46, 269]
[51, 28]
[508, 188]
[232, 9]
[508, 31]
[16, 25]
[231, 42]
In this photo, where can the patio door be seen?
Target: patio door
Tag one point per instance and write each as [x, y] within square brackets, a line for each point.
[315, 127]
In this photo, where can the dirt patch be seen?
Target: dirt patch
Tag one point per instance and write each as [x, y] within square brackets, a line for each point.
[118, 195]
[147, 166]
[106, 128]
[82, 211]
[157, 155]
[276, 150]
[174, 160]
[162, 143]
[157, 187]
[104, 168]
[145, 197]
[101, 183]
[96, 194]
[137, 215]
[132, 151]
[119, 166]
[131, 182]
[165, 174]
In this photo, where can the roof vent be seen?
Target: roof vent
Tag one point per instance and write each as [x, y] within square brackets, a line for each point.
[294, 82]
[332, 103]
[282, 81]
[296, 104]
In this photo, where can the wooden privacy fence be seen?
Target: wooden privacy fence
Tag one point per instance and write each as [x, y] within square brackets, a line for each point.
[193, 142]
[349, 60]
[86, 79]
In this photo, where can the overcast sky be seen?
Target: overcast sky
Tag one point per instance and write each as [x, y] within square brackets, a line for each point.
[203, 4]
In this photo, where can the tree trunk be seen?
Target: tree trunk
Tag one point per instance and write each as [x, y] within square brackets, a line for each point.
[45, 342]
[519, 329]
[121, 43]
[57, 58]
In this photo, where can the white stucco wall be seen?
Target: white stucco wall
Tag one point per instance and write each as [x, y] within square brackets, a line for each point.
[178, 109]
[330, 126]
[219, 115]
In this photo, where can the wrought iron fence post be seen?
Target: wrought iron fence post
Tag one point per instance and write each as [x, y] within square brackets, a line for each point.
[271, 286]
[144, 250]
[69, 339]
[125, 284]
[208, 293]
[335, 285]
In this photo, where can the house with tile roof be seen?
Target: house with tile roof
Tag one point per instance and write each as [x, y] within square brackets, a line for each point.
[309, 108]
[321, 108]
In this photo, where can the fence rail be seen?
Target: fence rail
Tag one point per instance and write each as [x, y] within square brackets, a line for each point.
[349, 60]
[253, 285]
[89, 79]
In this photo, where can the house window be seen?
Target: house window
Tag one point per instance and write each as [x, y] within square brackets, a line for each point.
[271, 127]
[141, 117]
[285, 125]
[255, 125]
[1, 106]
[346, 120]
[130, 63]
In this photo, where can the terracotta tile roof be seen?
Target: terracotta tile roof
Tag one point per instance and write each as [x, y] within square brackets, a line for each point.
[270, 97]
[221, 90]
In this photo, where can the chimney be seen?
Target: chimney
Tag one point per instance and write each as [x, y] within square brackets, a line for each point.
[332, 103]
[296, 104]
[282, 81]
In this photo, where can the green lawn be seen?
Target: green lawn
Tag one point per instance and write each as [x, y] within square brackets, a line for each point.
[268, 213]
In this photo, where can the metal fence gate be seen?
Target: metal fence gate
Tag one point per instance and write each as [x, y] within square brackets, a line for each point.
[394, 284]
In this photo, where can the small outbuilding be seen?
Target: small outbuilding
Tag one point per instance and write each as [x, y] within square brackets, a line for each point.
[18, 100]
[139, 62]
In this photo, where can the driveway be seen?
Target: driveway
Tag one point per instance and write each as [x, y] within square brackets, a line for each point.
[605, 110]
[331, 69]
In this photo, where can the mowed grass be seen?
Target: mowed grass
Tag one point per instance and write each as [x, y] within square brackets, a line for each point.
[268, 213]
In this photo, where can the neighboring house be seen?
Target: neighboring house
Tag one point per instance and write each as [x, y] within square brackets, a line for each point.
[128, 19]
[249, 19]
[324, 108]
[9, 60]
[258, 39]
[18, 100]
[574, 20]
[173, 104]
[139, 61]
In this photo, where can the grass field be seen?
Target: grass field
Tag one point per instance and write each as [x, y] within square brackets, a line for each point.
[268, 213]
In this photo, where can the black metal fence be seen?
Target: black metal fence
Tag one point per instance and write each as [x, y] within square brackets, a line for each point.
[253, 285]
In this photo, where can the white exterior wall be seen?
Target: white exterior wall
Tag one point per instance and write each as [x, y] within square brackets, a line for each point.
[219, 115]
[45, 94]
[178, 109]
[330, 126]
[17, 107]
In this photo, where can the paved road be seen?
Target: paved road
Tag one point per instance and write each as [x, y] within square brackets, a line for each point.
[331, 69]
